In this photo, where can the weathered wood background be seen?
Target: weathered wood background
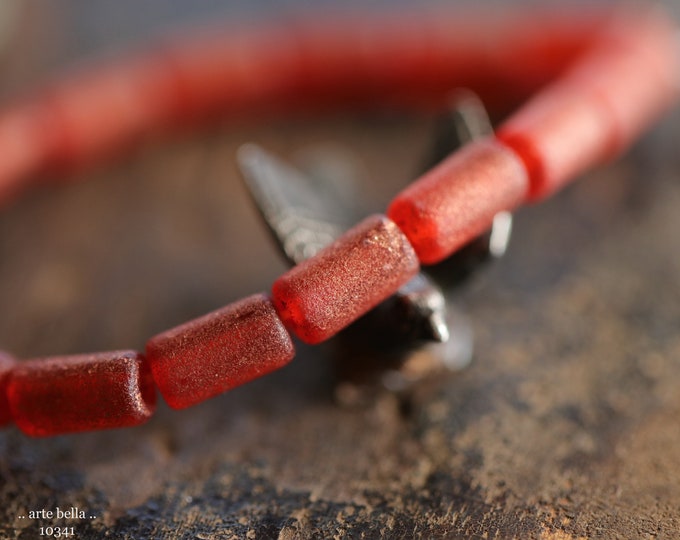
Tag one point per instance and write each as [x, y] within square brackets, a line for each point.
[566, 425]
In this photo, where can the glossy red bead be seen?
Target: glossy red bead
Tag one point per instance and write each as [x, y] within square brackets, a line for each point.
[6, 364]
[457, 200]
[324, 294]
[84, 392]
[223, 349]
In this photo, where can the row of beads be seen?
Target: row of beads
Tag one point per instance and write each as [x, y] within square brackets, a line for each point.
[374, 59]
[250, 338]
[600, 105]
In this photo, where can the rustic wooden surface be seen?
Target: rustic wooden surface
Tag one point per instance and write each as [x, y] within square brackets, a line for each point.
[565, 425]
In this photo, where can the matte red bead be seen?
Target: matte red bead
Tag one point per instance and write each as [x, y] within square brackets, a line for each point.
[559, 134]
[95, 113]
[22, 141]
[324, 294]
[598, 107]
[223, 349]
[457, 200]
[81, 393]
[230, 70]
[6, 364]
[634, 71]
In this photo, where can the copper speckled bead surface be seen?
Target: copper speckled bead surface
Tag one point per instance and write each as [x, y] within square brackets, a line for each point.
[84, 392]
[6, 364]
[223, 349]
[327, 292]
[457, 200]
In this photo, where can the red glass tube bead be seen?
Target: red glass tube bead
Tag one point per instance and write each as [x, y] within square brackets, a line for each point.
[23, 148]
[599, 106]
[325, 293]
[634, 71]
[457, 200]
[219, 351]
[98, 112]
[559, 134]
[6, 364]
[81, 393]
[230, 71]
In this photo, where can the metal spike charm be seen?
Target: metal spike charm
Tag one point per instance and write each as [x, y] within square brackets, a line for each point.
[303, 218]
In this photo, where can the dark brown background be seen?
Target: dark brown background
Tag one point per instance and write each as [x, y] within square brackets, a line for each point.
[565, 426]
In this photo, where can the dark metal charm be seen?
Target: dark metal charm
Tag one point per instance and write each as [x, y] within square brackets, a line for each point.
[464, 121]
[302, 214]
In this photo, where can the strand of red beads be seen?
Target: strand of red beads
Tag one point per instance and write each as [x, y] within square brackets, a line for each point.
[612, 76]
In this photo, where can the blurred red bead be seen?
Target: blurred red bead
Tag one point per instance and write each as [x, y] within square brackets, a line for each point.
[558, 134]
[223, 349]
[634, 71]
[457, 200]
[599, 106]
[84, 392]
[6, 364]
[325, 293]
[22, 139]
[229, 71]
[98, 112]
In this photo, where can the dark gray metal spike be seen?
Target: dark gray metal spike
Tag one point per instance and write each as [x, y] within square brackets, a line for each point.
[339, 172]
[296, 213]
[465, 120]
[424, 305]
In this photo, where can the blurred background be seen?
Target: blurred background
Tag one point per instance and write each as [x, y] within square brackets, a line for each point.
[135, 227]
[51, 36]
